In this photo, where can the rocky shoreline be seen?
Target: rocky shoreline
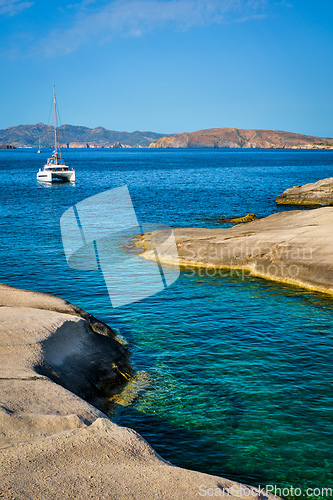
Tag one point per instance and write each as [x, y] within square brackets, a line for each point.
[293, 247]
[54, 443]
[314, 193]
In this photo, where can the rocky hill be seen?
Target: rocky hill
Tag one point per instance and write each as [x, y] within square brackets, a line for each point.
[73, 136]
[241, 138]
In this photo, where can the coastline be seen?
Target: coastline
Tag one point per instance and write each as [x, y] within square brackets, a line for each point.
[54, 443]
[293, 248]
[318, 193]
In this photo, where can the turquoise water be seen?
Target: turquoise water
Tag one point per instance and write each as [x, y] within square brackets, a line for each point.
[234, 375]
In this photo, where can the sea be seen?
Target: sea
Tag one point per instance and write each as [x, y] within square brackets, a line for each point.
[234, 374]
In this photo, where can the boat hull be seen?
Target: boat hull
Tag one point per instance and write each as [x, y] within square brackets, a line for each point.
[51, 176]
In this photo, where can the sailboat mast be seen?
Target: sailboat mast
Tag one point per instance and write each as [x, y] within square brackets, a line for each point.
[55, 121]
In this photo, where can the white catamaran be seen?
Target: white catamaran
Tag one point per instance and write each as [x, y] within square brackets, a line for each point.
[55, 168]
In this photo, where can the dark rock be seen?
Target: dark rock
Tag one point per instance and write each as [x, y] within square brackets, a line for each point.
[240, 220]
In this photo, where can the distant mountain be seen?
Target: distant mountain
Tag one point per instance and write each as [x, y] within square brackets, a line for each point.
[73, 136]
[83, 137]
[241, 138]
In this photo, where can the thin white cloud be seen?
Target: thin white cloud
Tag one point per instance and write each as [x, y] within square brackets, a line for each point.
[136, 17]
[81, 4]
[12, 7]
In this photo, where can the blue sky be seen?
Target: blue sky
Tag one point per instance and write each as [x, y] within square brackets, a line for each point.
[169, 65]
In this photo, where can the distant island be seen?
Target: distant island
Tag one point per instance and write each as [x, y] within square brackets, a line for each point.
[242, 138]
[71, 136]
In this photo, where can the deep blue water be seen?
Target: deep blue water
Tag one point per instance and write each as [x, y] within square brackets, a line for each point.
[234, 376]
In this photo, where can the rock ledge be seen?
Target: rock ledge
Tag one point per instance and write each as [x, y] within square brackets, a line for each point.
[294, 247]
[315, 193]
[54, 444]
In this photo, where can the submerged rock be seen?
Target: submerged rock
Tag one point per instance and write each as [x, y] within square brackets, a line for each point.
[315, 193]
[240, 220]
